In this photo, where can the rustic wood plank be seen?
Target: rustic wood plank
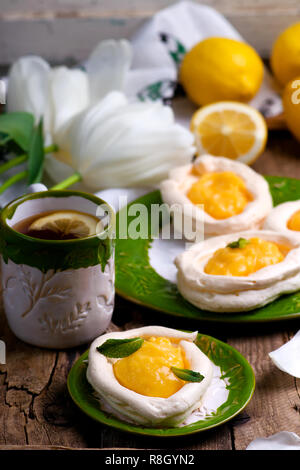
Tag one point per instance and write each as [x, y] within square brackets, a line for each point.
[12, 420]
[276, 402]
[52, 421]
[26, 373]
[281, 156]
[63, 40]
[68, 31]
[102, 8]
[214, 439]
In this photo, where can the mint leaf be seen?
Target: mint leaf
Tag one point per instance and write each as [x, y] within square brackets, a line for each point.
[187, 375]
[240, 243]
[36, 155]
[16, 127]
[117, 348]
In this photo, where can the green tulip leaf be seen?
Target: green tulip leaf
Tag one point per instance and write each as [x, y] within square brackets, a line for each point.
[16, 127]
[36, 155]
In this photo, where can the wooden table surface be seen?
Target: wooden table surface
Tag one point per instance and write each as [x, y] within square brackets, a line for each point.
[37, 412]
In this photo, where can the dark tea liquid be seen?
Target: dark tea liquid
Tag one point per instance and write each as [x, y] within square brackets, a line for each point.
[47, 234]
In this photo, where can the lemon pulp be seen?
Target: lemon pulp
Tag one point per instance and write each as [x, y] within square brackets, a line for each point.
[294, 222]
[255, 255]
[147, 371]
[223, 194]
[233, 130]
[221, 133]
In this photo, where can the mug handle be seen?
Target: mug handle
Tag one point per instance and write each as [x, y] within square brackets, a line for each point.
[36, 188]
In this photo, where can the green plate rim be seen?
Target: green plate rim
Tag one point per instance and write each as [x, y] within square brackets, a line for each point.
[141, 275]
[241, 389]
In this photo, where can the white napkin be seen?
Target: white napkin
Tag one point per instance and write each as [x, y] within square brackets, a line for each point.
[160, 44]
[287, 357]
[283, 440]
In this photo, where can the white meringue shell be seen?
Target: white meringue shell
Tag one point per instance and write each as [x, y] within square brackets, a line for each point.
[149, 411]
[180, 179]
[279, 216]
[234, 293]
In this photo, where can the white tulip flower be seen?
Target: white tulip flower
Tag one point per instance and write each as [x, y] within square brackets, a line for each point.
[103, 140]
[28, 84]
[116, 144]
[58, 93]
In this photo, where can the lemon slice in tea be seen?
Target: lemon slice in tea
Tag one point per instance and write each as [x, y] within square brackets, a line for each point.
[66, 224]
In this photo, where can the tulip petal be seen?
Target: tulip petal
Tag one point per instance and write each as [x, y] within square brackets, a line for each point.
[89, 122]
[69, 95]
[28, 85]
[57, 170]
[136, 158]
[287, 357]
[107, 67]
[283, 440]
[116, 144]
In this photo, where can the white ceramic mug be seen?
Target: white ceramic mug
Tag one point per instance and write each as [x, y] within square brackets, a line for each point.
[57, 293]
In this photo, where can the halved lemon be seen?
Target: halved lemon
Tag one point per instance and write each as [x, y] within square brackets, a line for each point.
[66, 224]
[230, 129]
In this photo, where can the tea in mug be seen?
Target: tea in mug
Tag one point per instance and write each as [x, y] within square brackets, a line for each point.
[59, 225]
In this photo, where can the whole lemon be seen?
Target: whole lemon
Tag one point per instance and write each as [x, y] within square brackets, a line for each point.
[291, 106]
[221, 69]
[285, 55]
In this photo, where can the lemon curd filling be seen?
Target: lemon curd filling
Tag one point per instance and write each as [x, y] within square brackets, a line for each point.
[294, 222]
[147, 371]
[223, 194]
[255, 255]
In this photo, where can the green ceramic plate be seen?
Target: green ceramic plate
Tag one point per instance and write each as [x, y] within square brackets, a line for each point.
[137, 281]
[235, 369]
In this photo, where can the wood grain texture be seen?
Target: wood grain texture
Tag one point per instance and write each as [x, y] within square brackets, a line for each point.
[61, 30]
[276, 403]
[41, 8]
[281, 157]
